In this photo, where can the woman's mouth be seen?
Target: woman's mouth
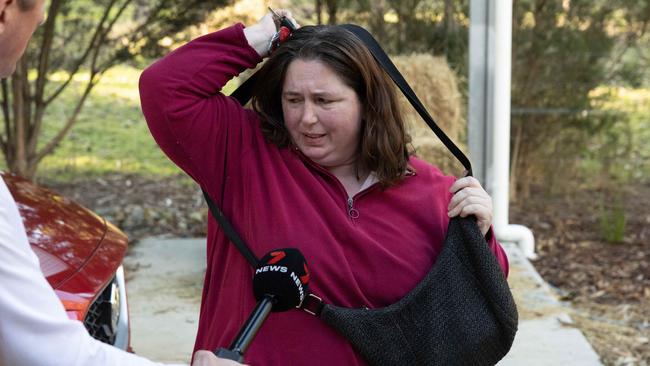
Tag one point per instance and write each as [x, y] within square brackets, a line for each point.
[313, 138]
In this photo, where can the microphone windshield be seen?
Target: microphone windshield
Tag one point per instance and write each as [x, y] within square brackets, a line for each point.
[282, 273]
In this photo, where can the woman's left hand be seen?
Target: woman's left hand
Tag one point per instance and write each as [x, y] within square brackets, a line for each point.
[471, 199]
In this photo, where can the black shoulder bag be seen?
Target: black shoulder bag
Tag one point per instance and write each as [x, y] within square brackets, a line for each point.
[461, 313]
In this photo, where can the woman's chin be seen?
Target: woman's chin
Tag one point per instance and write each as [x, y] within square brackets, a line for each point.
[314, 153]
[318, 159]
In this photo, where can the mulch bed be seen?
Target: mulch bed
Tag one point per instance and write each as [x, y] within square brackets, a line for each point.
[607, 283]
[142, 206]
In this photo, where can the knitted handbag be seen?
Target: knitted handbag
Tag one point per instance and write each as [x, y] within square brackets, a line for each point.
[461, 313]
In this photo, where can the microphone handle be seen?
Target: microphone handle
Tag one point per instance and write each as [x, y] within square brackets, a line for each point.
[229, 355]
[246, 334]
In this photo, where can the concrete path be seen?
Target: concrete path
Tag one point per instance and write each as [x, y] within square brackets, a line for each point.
[545, 335]
[164, 279]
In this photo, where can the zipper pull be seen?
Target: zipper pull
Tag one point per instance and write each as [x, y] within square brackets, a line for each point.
[352, 212]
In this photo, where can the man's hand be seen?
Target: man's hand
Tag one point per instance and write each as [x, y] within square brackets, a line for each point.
[207, 358]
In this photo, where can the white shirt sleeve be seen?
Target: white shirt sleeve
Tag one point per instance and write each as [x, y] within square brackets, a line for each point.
[34, 328]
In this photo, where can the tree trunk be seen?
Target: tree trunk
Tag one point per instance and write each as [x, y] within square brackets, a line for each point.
[332, 9]
[319, 12]
[18, 163]
[514, 162]
[377, 23]
[449, 24]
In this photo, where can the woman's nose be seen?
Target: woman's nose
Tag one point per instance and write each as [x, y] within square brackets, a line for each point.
[309, 113]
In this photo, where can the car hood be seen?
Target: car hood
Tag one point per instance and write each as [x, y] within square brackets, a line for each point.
[63, 234]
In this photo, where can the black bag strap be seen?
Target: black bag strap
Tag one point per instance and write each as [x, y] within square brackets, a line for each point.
[404, 86]
[230, 231]
[244, 93]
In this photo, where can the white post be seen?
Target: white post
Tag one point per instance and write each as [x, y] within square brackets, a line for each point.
[501, 110]
[489, 111]
[479, 95]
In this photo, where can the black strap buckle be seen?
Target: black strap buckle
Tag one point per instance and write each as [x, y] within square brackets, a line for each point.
[312, 305]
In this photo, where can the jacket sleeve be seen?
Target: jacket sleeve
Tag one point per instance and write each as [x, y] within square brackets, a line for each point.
[34, 327]
[196, 126]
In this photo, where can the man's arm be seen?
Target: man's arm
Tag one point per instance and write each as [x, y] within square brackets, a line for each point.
[34, 328]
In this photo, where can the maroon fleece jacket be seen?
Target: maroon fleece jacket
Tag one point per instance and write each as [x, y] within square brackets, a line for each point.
[276, 198]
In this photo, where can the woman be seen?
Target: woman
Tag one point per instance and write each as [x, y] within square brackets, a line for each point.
[320, 163]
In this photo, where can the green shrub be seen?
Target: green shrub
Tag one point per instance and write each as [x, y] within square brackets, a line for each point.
[612, 219]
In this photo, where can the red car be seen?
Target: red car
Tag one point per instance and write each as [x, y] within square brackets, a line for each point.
[80, 255]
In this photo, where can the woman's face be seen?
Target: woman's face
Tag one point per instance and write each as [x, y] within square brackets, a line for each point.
[322, 114]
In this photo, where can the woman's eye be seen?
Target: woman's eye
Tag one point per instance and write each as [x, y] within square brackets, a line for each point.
[323, 101]
[293, 100]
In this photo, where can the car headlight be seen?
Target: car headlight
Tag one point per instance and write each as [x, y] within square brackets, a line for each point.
[107, 318]
[115, 305]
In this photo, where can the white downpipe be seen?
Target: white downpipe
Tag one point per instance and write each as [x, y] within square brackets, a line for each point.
[501, 130]
[520, 235]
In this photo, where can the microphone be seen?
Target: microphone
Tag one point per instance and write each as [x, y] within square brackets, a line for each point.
[280, 283]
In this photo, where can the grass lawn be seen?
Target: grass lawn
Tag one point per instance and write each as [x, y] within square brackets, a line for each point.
[110, 136]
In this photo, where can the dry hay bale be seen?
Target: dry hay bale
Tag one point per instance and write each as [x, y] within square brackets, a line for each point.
[436, 85]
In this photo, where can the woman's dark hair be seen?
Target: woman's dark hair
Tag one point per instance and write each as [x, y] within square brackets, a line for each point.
[383, 146]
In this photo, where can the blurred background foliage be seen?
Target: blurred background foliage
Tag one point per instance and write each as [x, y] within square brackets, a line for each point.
[580, 167]
[79, 41]
[580, 80]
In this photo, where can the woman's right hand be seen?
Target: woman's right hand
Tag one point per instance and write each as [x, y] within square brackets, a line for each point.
[259, 34]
